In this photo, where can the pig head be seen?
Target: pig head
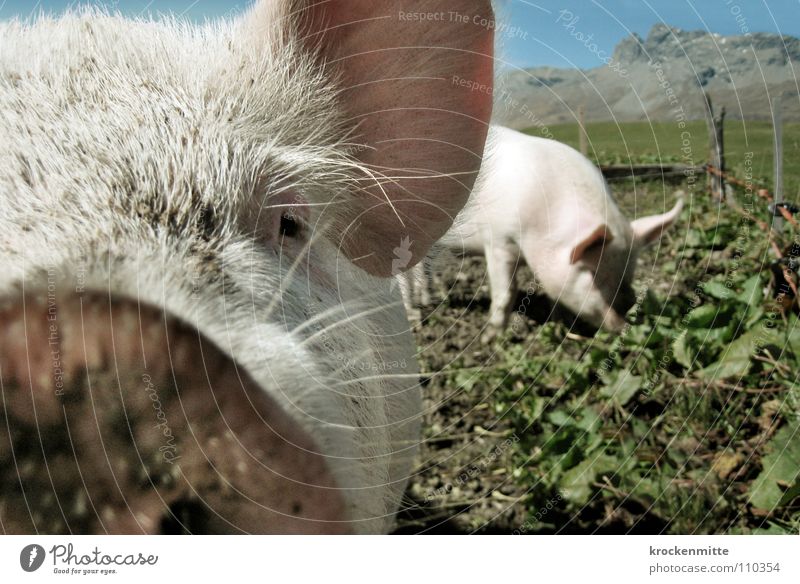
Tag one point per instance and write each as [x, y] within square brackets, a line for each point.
[197, 327]
[585, 257]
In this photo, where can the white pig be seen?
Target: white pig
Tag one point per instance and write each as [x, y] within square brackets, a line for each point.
[541, 202]
[197, 327]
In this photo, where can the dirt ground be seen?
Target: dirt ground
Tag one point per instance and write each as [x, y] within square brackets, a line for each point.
[464, 480]
[462, 483]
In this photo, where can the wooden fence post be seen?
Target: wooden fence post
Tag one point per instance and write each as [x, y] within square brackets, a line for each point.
[777, 126]
[584, 136]
[716, 141]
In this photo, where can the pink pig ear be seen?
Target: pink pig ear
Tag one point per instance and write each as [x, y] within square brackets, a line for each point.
[416, 88]
[649, 229]
[599, 237]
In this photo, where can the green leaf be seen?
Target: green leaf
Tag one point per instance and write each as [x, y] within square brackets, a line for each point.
[702, 316]
[560, 418]
[752, 295]
[752, 292]
[781, 465]
[717, 290]
[682, 352]
[737, 358]
[693, 239]
[623, 388]
[590, 420]
[791, 494]
[754, 314]
[577, 483]
[646, 491]
[793, 335]
[713, 337]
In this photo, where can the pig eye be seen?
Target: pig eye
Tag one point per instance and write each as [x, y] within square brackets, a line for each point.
[290, 227]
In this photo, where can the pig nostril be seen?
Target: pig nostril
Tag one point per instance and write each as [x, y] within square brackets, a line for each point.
[185, 518]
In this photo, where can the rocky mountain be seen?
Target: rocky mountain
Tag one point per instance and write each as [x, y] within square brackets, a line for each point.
[660, 78]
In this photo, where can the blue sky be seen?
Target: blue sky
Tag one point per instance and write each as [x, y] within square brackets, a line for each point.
[551, 40]
[543, 33]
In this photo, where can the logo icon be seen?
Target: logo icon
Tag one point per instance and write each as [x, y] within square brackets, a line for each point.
[402, 257]
[31, 557]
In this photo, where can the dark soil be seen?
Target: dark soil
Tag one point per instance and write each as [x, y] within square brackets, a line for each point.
[462, 483]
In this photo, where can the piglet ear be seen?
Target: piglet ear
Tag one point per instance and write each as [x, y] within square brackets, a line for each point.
[599, 237]
[649, 229]
[416, 89]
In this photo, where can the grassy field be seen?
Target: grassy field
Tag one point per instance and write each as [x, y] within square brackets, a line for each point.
[688, 421]
[643, 142]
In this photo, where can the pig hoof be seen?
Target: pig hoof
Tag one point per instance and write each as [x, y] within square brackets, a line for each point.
[414, 315]
[490, 335]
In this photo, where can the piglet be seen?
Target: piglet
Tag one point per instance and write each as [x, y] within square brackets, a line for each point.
[541, 202]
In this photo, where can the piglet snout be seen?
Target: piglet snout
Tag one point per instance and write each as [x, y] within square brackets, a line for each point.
[624, 300]
[117, 418]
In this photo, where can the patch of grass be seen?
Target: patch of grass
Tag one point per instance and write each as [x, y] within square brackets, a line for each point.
[688, 421]
[662, 142]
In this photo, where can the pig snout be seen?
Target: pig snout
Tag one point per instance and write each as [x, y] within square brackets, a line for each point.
[623, 301]
[118, 418]
[613, 321]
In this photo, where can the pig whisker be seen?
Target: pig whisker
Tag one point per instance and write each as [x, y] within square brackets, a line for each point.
[358, 380]
[421, 174]
[329, 380]
[324, 315]
[278, 296]
[374, 178]
[295, 205]
[348, 320]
